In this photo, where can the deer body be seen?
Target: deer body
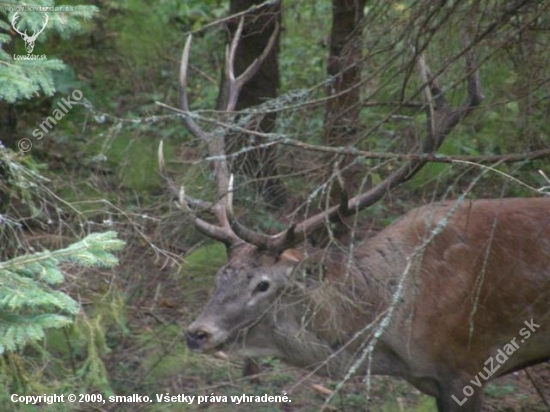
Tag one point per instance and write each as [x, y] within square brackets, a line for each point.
[432, 299]
[473, 274]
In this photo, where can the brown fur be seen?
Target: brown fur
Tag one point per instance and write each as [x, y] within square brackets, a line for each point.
[478, 271]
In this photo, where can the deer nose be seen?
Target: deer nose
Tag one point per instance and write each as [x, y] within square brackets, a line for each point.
[197, 337]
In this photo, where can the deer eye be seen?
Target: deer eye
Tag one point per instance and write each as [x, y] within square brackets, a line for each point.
[262, 286]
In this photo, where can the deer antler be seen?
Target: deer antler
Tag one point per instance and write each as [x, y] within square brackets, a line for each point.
[441, 120]
[214, 140]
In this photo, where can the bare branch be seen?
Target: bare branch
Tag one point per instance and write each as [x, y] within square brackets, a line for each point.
[428, 157]
[251, 10]
[445, 119]
[273, 139]
[428, 98]
[442, 118]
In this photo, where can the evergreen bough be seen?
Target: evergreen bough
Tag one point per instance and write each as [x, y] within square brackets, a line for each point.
[29, 304]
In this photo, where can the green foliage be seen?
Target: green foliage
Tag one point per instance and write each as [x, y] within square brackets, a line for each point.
[140, 45]
[158, 364]
[131, 158]
[22, 177]
[499, 391]
[305, 28]
[28, 303]
[205, 259]
[22, 79]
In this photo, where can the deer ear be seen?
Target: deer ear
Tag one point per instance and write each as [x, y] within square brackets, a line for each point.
[307, 272]
[292, 255]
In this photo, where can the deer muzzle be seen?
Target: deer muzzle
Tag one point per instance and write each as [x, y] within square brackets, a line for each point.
[204, 337]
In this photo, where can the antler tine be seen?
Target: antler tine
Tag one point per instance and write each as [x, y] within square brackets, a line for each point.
[235, 84]
[276, 243]
[215, 148]
[255, 66]
[241, 231]
[192, 126]
[283, 240]
[189, 205]
[272, 243]
[231, 50]
[218, 233]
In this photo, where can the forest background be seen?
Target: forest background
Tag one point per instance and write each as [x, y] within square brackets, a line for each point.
[351, 91]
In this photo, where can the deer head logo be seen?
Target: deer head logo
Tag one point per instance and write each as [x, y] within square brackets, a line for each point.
[29, 40]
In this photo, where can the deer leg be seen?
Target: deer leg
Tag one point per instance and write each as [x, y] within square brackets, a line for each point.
[447, 403]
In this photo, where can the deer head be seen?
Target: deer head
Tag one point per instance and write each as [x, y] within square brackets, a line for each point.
[29, 40]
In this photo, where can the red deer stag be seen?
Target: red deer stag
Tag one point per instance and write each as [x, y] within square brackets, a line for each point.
[448, 297]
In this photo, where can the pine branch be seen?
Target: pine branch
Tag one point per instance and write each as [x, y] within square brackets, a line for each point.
[28, 304]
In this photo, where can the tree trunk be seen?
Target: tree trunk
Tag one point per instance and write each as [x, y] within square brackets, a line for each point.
[343, 67]
[343, 108]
